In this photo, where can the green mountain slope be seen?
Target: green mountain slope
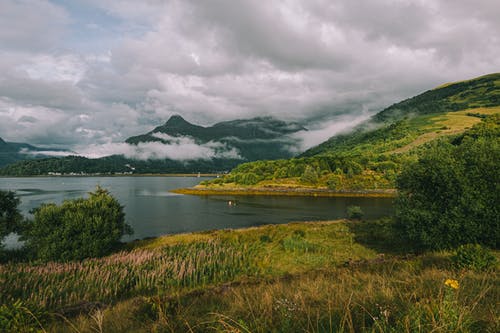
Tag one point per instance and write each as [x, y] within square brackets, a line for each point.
[419, 114]
[372, 155]
[11, 152]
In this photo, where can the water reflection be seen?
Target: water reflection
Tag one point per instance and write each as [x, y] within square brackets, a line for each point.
[152, 210]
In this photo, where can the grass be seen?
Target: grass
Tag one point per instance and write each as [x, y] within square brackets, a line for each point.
[445, 124]
[267, 188]
[178, 263]
[337, 276]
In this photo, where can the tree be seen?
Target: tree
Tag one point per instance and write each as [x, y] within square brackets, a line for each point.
[309, 176]
[450, 195]
[10, 216]
[76, 229]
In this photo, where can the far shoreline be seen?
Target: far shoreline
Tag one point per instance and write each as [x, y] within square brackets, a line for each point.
[194, 175]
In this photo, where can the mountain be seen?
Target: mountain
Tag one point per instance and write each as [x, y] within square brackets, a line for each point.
[371, 156]
[254, 139]
[11, 152]
[234, 142]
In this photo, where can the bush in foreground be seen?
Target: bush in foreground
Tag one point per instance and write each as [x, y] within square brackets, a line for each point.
[9, 213]
[450, 196]
[474, 257]
[76, 229]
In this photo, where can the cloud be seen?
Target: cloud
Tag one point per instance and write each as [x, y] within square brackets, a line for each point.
[177, 148]
[326, 64]
[31, 25]
[52, 153]
[320, 132]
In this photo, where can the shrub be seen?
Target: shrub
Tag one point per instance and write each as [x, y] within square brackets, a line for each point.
[474, 257]
[334, 182]
[450, 196]
[76, 229]
[309, 176]
[354, 212]
[9, 213]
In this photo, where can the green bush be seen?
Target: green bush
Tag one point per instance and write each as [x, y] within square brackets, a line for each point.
[334, 182]
[9, 213]
[474, 257]
[309, 176]
[450, 196]
[76, 229]
[355, 212]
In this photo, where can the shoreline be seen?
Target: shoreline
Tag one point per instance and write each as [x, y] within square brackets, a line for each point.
[302, 192]
[194, 175]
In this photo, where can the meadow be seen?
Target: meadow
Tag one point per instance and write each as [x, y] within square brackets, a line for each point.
[338, 276]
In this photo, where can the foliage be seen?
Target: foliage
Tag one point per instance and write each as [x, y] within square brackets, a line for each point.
[76, 229]
[309, 176]
[354, 212]
[16, 317]
[10, 217]
[475, 257]
[450, 195]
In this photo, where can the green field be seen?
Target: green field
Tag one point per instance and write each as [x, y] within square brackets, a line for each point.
[346, 276]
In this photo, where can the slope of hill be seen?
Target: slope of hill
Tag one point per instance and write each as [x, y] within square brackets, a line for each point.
[11, 152]
[372, 155]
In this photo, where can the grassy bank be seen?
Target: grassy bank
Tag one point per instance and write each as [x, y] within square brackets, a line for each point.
[229, 189]
[302, 277]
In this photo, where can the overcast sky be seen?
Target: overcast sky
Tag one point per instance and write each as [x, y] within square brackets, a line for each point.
[91, 72]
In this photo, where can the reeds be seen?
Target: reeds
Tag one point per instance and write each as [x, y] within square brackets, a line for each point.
[139, 272]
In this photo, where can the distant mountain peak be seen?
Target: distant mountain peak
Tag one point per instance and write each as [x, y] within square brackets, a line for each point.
[2, 142]
[176, 121]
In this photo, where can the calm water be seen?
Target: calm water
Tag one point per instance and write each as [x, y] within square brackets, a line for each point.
[152, 210]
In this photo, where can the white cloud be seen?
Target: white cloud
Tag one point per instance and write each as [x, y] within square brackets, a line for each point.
[221, 59]
[321, 132]
[31, 25]
[178, 148]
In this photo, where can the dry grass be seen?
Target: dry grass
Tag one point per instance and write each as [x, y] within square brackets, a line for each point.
[396, 296]
[290, 189]
[447, 124]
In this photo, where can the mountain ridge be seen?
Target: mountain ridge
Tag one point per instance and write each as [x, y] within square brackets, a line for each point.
[372, 155]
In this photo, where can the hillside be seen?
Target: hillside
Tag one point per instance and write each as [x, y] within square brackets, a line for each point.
[11, 152]
[372, 155]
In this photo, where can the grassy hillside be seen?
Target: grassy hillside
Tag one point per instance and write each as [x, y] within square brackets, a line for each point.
[341, 276]
[370, 157]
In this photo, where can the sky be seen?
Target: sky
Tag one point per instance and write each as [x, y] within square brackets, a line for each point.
[87, 74]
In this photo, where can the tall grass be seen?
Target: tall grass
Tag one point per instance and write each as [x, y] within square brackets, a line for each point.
[393, 296]
[125, 274]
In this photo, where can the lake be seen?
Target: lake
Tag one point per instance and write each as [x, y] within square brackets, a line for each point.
[152, 210]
